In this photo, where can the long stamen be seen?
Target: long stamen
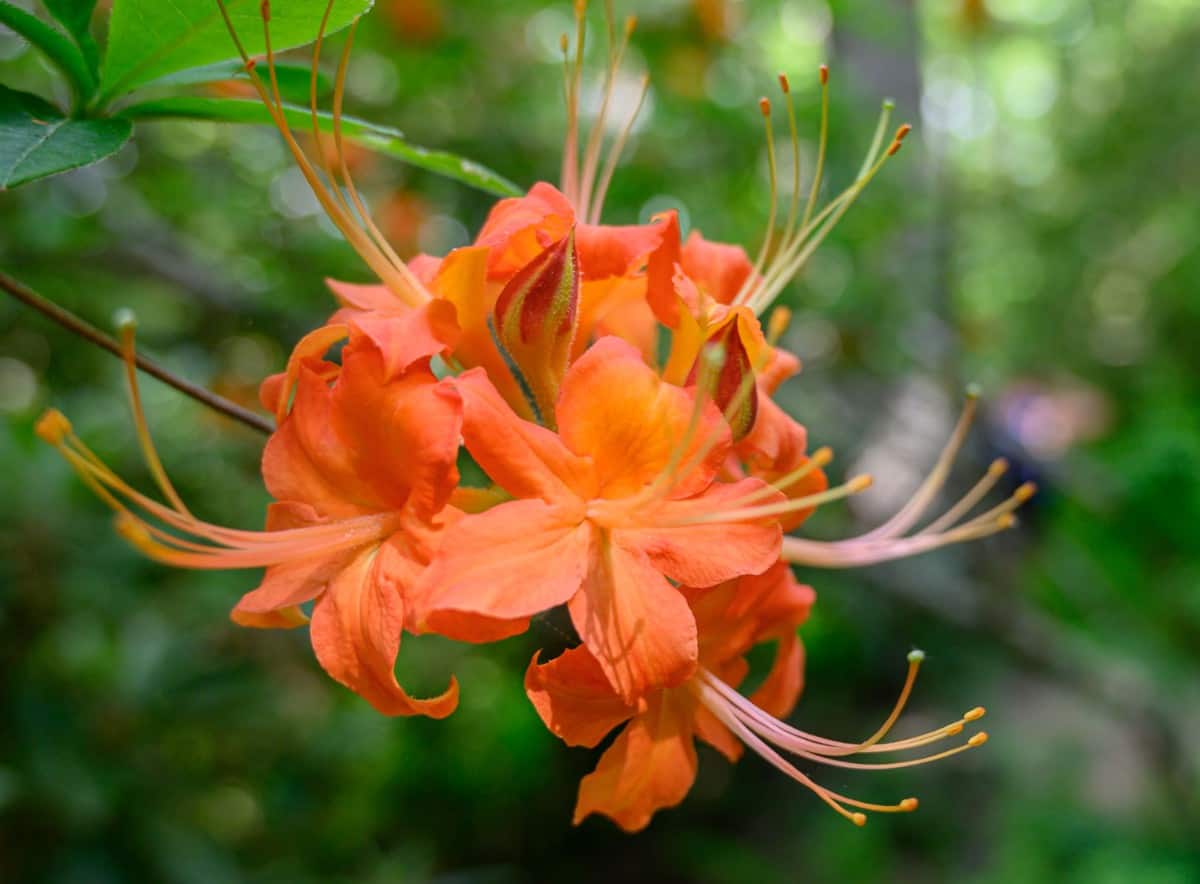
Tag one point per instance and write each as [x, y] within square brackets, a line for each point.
[820, 459]
[857, 554]
[570, 167]
[711, 360]
[614, 153]
[127, 327]
[591, 160]
[978, 492]
[855, 486]
[794, 203]
[747, 387]
[837, 748]
[765, 735]
[822, 144]
[55, 429]
[398, 279]
[813, 234]
[764, 105]
[925, 494]
[318, 146]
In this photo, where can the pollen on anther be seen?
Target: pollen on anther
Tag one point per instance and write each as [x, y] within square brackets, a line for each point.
[859, 819]
[859, 483]
[764, 105]
[784, 84]
[916, 655]
[909, 804]
[978, 740]
[824, 74]
[975, 714]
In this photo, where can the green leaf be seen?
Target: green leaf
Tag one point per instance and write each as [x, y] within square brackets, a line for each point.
[36, 140]
[76, 17]
[294, 80]
[150, 38]
[380, 138]
[56, 45]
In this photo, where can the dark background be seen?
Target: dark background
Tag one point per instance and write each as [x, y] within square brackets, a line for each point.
[1037, 235]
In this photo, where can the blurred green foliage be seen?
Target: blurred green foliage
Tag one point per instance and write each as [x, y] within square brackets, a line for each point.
[1039, 237]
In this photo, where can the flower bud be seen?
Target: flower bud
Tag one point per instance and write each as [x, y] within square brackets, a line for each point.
[535, 319]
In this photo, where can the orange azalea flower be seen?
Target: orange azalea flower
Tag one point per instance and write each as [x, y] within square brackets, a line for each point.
[618, 503]
[361, 468]
[652, 764]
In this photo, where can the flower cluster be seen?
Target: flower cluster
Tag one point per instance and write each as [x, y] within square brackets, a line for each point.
[615, 384]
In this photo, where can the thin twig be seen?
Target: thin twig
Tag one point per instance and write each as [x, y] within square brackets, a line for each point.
[89, 332]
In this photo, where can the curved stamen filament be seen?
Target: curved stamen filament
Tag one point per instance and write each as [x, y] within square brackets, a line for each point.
[927, 491]
[764, 250]
[819, 460]
[971, 499]
[743, 514]
[234, 548]
[127, 328]
[887, 543]
[766, 735]
[795, 254]
[591, 157]
[393, 273]
[794, 202]
[857, 554]
[822, 144]
[838, 748]
[614, 154]
[574, 77]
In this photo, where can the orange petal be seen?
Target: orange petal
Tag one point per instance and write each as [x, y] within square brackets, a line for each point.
[357, 296]
[305, 460]
[518, 228]
[405, 337]
[607, 250]
[367, 444]
[462, 280]
[778, 693]
[636, 624]
[775, 447]
[276, 390]
[718, 269]
[356, 627]
[652, 765]
[617, 306]
[425, 268]
[524, 459]
[512, 561]
[780, 366]
[284, 618]
[400, 435]
[707, 553]
[616, 410]
[574, 698]
[661, 269]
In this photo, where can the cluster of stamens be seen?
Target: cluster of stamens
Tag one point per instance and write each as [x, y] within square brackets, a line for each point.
[766, 735]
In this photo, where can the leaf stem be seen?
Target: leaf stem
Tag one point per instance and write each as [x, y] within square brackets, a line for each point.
[89, 332]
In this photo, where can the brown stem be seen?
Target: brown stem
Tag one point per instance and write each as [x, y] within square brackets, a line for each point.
[88, 332]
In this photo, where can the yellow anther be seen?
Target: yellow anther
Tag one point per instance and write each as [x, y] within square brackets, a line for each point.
[975, 714]
[52, 427]
[978, 740]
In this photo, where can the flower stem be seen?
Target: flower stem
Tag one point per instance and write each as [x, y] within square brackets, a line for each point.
[89, 332]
